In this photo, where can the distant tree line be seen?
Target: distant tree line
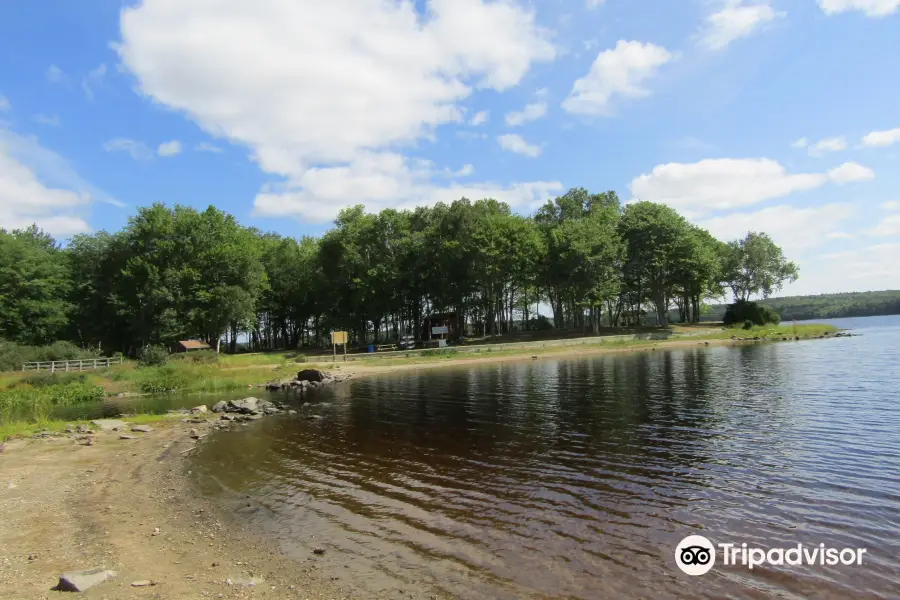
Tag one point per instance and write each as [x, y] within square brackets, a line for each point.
[175, 273]
[825, 306]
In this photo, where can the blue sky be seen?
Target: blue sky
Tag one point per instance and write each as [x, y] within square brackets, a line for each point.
[773, 115]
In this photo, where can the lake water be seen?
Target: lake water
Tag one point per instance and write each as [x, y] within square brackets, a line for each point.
[577, 478]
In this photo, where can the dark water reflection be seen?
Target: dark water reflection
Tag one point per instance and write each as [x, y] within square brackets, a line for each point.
[577, 478]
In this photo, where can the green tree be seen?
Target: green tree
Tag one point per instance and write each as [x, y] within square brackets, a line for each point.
[756, 265]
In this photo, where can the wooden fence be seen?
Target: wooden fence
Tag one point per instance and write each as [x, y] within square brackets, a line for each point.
[87, 364]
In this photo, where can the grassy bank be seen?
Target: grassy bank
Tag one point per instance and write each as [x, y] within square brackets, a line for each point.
[27, 401]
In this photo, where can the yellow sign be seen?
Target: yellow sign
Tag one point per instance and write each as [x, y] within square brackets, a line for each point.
[339, 337]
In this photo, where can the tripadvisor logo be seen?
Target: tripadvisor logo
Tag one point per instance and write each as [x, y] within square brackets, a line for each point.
[696, 555]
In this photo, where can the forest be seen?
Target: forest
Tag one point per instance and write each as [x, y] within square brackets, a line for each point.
[825, 306]
[175, 273]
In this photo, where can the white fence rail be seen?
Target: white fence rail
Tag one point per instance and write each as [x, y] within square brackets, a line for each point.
[87, 364]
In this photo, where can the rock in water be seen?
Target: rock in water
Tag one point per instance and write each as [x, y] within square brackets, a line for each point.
[80, 581]
[108, 424]
[199, 409]
[310, 375]
[220, 406]
[247, 406]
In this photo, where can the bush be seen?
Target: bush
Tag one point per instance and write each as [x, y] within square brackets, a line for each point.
[440, 352]
[13, 355]
[153, 356]
[158, 380]
[47, 379]
[757, 314]
[300, 358]
[200, 357]
[748, 324]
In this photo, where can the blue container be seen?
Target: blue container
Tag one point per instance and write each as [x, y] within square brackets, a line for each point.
[371, 347]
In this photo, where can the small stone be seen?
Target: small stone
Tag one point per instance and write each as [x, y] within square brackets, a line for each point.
[142, 583]
[319, 551]
[108, 424]
[32, 556]
[200, 409]
[127, 437]
[155, 531]
[194, 434]
[142, 428]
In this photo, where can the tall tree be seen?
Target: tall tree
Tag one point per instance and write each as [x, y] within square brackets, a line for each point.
[756, 265]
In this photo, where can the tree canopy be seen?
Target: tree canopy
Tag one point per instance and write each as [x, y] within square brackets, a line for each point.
[175, 272]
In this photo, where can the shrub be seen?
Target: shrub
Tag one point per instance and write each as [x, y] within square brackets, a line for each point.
[748, 324]
[440, 352]
[158, 380]
[757, 314]
[300, 358]
[153, 356]
[200, 357]
[13, 355]
[47, 379]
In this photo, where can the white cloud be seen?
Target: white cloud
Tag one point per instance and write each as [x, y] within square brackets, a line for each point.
[49, 120]
[728, 183]
[54, 74]
[517, 144]
[207, 147]
[795, 229]
[136, 150]
[385, 180]
[621, 71]
[355, 79]
[891, 205]
[801, 143]
[465, 171]
[882, 138]
[4, 104]
[839, 235]
[169, 148]
[38, 186]
[888, 226]
[735, 19]
[479, 118]
[595, 3]
[471, 135]
[851, 171]
[531, 112]
[93, 79]
[832, 144]
[871, 8]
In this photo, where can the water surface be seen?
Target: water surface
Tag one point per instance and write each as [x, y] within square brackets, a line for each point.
[577, 478]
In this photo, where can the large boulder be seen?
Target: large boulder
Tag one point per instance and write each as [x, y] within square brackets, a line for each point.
[247, 406]
[311, 375]
[220, 406]
[80, 581]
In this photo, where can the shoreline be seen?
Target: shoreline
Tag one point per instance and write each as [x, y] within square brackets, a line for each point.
[65, 506]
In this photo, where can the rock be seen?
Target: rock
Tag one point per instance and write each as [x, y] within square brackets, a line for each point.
[70, 429]
[319, 551]
[273, 386]
[248, 582]
[200, 409]
[32, 556]
[109, 424]
[155, 531]
[80, 581]
[797, 338]
[142, 583]
[227, 418]
[310, 375]
[247, 406]
[194, 434]
[292, 412]
[142, 428]
[220, 406]
[127, 437]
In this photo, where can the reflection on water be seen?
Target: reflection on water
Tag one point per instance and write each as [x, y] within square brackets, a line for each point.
[577, 478]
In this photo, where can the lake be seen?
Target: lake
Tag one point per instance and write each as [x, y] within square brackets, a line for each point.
[578, 478]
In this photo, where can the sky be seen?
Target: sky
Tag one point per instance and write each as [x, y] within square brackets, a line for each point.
[780, 116]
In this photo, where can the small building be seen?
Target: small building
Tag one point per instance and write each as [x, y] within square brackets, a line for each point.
[440, 326]
[190, 346]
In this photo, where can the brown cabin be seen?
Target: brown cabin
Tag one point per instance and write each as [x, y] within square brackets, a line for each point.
[190, 346]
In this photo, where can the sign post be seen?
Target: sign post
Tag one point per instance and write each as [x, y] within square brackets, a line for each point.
[338, 337]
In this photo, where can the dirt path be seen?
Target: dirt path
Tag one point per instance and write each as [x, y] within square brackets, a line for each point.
[66, 506]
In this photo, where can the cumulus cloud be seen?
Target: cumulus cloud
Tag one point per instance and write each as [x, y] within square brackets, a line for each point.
[479, 118]
[167, 149]
[358, 79]
[621, 71]
[136, 150]
[878, 139]
[891, 205]
[733, 20]
[5, 105]
[871, 8]
[531, 112]
[517, 144]
[888, 226]
[728, 183]
[801, 143]
[795, 229]
[38, 186]
[832, 144]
